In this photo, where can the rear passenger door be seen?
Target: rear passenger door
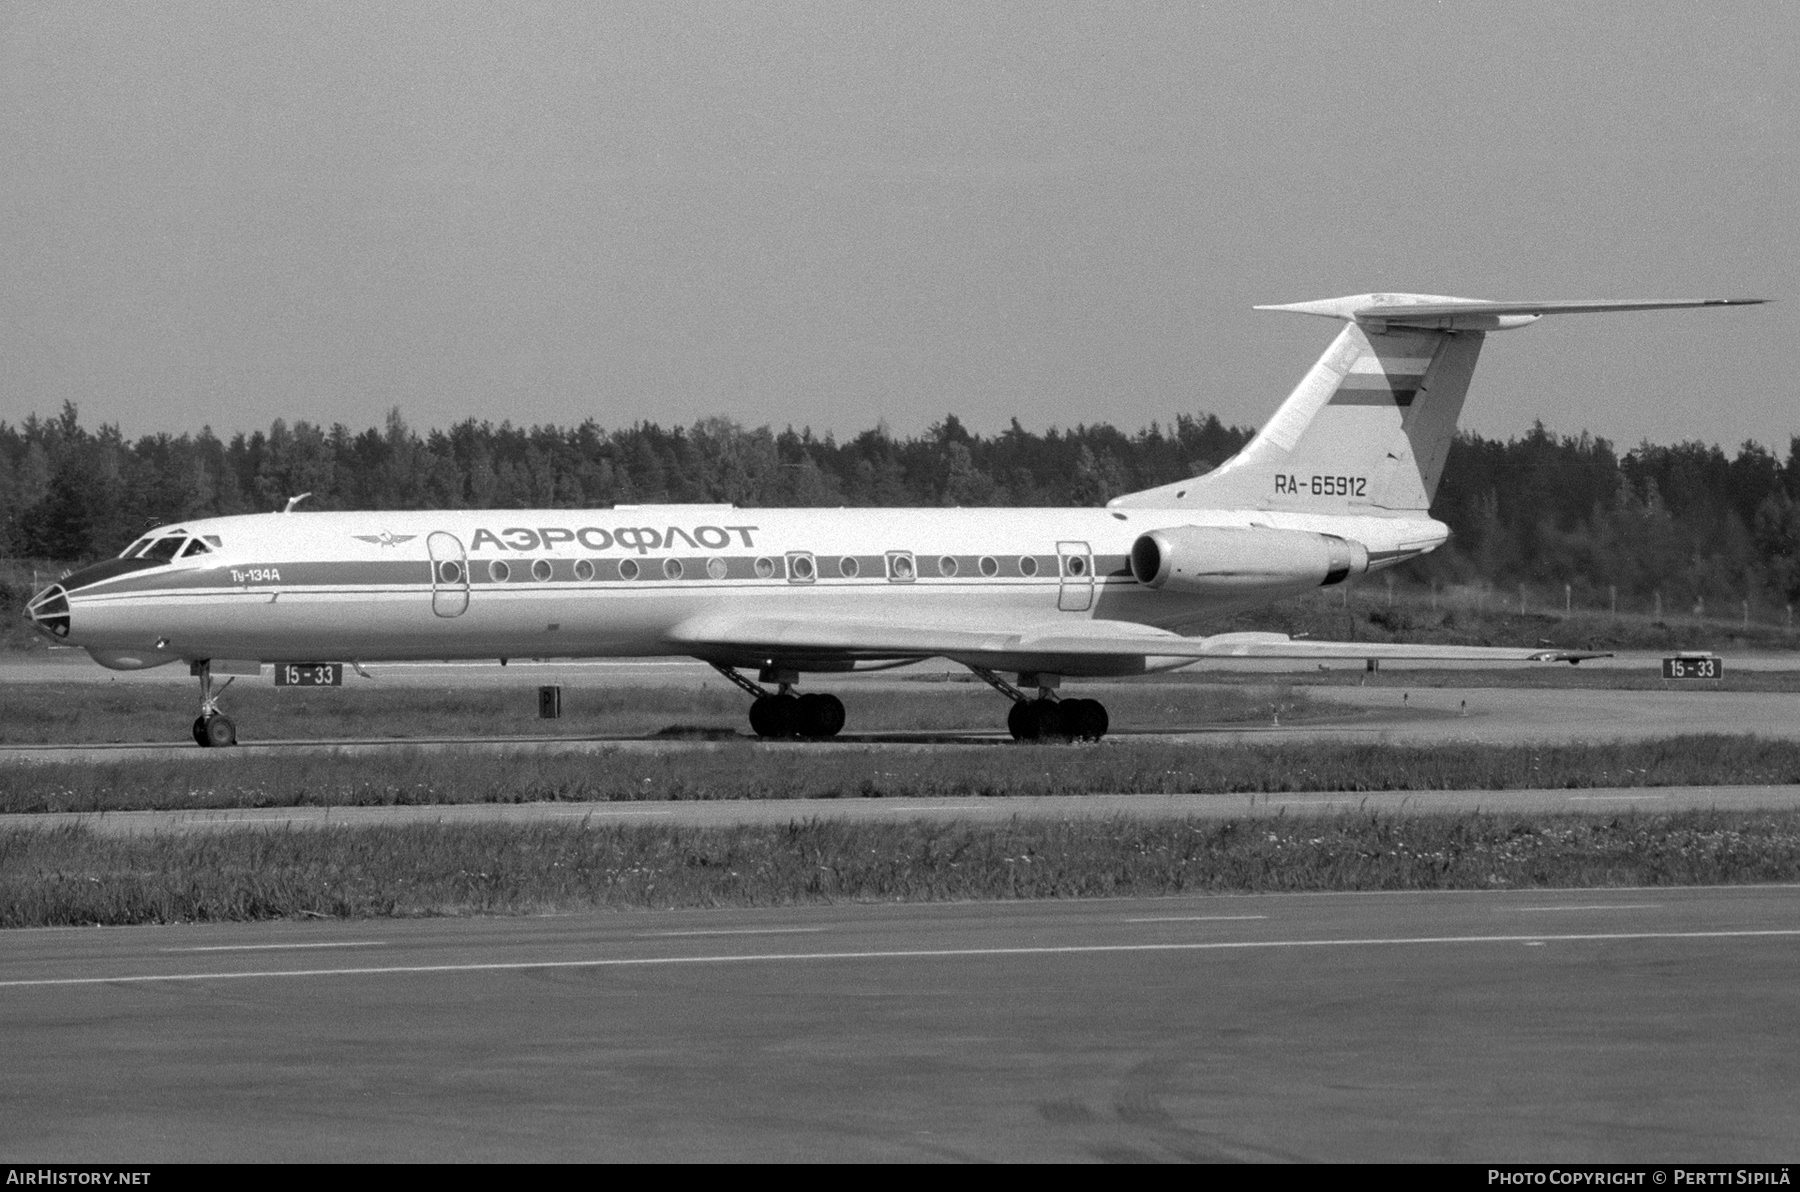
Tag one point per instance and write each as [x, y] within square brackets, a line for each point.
[1076, 562]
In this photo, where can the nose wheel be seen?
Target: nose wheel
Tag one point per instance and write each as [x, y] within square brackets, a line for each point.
[212, 728]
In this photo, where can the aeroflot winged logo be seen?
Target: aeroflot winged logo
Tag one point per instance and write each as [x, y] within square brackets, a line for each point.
[642, 539]
[385, 538]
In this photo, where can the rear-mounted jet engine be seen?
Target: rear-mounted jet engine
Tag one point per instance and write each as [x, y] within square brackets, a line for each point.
[1231, 562]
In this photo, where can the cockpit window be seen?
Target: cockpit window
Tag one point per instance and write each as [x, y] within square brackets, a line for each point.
[164, 549]
[131, 551]
[195, 547]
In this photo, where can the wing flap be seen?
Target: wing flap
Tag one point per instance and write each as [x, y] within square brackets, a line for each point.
[871, 639]
[1279, 645]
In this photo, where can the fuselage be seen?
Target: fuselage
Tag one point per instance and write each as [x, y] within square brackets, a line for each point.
[395, 586]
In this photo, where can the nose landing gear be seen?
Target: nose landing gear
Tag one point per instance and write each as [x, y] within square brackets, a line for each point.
[1047, 718]
[780, 715]
[212, 728]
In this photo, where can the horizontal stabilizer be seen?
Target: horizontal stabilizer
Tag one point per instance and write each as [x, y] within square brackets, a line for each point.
[1442, 313]
[1394, 312]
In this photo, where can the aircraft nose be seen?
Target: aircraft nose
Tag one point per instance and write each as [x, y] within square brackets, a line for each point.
[49, 612]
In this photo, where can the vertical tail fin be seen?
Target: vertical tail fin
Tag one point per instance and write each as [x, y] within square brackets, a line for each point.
[1368, 428]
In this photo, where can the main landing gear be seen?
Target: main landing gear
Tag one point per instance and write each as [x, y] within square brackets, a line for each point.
[1048, 718]
[783, 714]
[212, 728]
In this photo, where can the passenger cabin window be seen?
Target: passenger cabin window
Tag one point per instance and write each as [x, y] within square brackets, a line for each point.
[195, 547]
[164, 549]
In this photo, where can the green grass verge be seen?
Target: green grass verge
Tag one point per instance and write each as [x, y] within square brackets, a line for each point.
[72, 877]
[740, 770]
[83, 713]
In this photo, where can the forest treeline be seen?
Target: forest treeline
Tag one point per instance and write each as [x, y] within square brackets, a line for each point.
[1684, 523]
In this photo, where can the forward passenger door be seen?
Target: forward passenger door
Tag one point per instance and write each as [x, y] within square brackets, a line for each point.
[449, 574]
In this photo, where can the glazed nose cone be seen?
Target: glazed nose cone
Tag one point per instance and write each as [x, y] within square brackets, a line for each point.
[48, 612]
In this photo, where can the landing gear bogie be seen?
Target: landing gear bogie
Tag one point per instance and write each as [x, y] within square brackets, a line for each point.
[781, 715]
[1046, 718]
[1057, 720]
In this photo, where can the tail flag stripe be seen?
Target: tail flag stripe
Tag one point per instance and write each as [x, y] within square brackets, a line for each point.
[1383, 396]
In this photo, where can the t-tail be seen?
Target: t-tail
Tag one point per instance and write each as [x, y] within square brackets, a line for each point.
[1368, 428]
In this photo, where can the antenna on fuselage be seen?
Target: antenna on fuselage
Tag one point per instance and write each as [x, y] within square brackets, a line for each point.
[293, 501]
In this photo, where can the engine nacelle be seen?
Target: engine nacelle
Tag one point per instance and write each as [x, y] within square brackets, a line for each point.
[1232, 561]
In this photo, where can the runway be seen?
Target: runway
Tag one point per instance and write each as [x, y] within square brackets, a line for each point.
[1594, 1025]
[732, 813]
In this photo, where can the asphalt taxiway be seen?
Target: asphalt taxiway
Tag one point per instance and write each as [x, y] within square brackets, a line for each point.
[1433, 715]
[1624, 1025]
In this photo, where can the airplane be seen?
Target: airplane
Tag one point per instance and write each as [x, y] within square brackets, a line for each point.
[1337, 484]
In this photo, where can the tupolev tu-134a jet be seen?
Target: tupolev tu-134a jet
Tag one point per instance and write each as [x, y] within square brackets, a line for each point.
[1337, 484]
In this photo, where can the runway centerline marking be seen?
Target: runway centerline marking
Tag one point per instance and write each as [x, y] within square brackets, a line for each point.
[516, 966]
[274, 947]
[1611, 798]
[1599, 906]
[1196, 918]
[650, 935]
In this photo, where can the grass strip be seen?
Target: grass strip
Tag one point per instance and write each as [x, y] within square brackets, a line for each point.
[73, 877]
[746, 771]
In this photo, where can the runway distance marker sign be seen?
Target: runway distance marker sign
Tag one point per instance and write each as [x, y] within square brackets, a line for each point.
[1686, 666]
[309, 674]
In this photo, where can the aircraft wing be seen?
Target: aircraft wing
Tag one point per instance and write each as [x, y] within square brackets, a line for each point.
[779, 637]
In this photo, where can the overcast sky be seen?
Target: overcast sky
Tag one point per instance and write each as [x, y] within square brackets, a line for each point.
[829, 214]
